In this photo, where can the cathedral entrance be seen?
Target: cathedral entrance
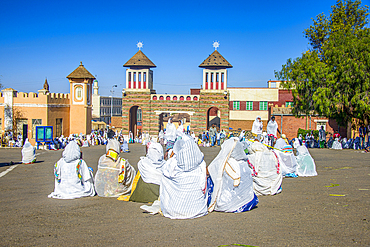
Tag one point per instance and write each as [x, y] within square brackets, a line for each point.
[213, 117]
[135, 121]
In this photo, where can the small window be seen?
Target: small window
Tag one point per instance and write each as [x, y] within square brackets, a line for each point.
[144, 76]
[263, 105]
[289, 103]
[161, 98]
[273, 84]
[181, 97]
[195, 98]
[188, 98]
[249, 106]
[154, 97]
[174, 98]
[168, 98]
[59, 127]
[206, 77]
[236, 105]
[222, 77]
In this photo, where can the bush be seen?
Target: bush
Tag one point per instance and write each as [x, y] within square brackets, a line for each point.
[304, 132]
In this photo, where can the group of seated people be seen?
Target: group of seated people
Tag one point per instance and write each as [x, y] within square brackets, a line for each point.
[182, 186]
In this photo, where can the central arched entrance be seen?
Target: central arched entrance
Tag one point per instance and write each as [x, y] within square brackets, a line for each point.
[135, 122]
[213, 117]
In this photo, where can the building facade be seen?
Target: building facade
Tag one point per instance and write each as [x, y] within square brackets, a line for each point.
[104, 107]
[68, 113]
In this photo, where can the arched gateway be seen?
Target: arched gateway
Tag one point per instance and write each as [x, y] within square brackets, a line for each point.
[204, 106]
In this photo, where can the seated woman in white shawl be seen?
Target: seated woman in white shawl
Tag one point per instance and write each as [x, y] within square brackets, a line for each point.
[28, 153]
[115, 175]
[267, 177]
[336, 144]
[306, 165]
[233, 183]
[73, 179]
[183, 183]
[146, 183]
[287, 161]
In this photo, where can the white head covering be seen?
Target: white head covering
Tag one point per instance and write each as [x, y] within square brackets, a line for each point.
[188, 154]
[71, 152]
[113, 144]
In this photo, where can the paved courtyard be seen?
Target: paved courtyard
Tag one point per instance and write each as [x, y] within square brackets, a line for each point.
[331, 209]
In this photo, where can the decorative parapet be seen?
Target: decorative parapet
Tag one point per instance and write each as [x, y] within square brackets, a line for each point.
[176, 97]
[281, 110]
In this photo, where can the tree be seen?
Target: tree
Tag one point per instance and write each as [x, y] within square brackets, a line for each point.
[332, 79]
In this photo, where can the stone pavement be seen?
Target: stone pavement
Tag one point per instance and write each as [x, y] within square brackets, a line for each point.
[304, 214]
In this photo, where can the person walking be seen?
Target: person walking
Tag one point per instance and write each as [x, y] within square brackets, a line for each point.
[272, 128]
[212, 134]
[322, 137]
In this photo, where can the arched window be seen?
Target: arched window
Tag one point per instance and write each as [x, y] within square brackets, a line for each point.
[181, 97]
[174, 98]
[161, 98]
[188, 98]
[195, 98]
[168, 98]
[154, 97]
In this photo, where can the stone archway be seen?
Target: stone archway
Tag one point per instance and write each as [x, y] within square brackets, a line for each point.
[213, 117]
[135, 120]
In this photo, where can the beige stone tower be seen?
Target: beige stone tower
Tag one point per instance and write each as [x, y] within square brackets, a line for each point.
[81, 81]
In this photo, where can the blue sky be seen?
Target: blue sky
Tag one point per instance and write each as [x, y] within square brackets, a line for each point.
[48, 39]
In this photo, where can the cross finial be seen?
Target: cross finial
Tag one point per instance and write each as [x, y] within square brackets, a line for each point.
[139, 45]
[216, 44]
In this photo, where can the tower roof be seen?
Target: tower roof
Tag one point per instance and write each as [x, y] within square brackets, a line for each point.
[139, 60]
[80, 73]
[215, 60]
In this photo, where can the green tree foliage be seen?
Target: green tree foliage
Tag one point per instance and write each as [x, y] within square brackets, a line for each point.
[333, 77]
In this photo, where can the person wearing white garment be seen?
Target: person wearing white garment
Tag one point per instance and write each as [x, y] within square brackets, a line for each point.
[180, 130]
[272, 129]
[115, 175]
[183, 183]
[73, 178]
[233, 183]
[257, 128]
[28, 153]
[148, 177]
[267, 177]
[170, 134]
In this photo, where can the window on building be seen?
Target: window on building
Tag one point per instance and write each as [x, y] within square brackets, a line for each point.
[181, 97]
[144, 76]
[206, 77]
[154, 97]
[195, 98]
[59, 127]
[161, 98]
[222, 77]
[211, 77]
[139, 76]
[249, 106]
[129, 76]
[263, 105]
[236, 105]
[272, 84]
[217, 77]
[134, 76]
[188, 98]
[168, 98]
[35, 122]
[174, 98]
[289, 103]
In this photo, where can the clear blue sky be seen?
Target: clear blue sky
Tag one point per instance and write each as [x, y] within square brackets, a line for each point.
[48, 39]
